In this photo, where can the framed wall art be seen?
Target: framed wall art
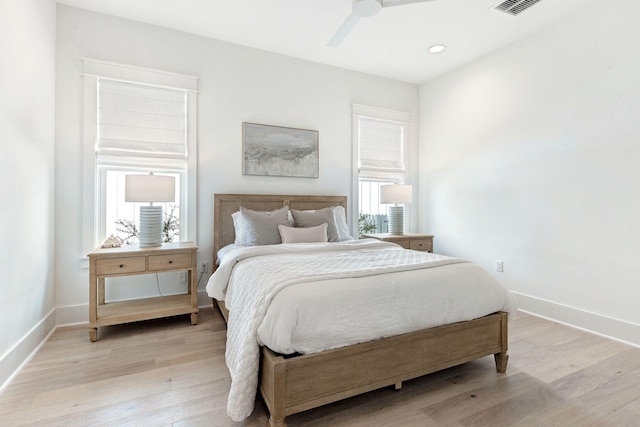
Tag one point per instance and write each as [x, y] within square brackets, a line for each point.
[279, 151]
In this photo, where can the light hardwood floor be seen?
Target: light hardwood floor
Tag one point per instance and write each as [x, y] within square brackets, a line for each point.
[168, 372]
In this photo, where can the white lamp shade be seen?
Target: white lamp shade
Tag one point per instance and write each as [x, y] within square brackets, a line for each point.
[399, 194]
[149, 188]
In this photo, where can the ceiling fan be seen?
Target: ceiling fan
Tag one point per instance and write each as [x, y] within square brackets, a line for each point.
[364, 9]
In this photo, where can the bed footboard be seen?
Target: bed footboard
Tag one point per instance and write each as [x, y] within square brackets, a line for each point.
[296, 384]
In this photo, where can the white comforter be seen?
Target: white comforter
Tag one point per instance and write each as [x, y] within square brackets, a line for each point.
[382, 290]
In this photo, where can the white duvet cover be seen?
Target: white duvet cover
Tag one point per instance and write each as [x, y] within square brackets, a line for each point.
[344, 293]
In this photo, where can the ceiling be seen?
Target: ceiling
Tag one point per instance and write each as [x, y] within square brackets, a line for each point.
[391, 44]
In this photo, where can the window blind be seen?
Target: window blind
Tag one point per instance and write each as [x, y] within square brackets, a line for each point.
[141, 122]
[380, 146]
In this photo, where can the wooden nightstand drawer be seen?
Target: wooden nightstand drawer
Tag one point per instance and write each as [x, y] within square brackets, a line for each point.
[414, 241]
[125, 265]
[421, 245]
[164, 262]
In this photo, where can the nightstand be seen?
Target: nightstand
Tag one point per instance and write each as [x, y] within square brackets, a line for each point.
[415, 241]
[133, 260]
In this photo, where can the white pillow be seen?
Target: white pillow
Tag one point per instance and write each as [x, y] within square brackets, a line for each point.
[261, 228]
[238, 226]
[341, 223]
[303, 235]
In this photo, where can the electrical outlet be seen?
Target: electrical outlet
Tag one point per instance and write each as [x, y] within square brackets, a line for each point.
[499, 266]
[204, 267]
[182, 277]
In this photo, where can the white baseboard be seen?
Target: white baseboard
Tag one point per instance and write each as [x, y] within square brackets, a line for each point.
[204, 300]
[619, 330]
[72, 315]
[16, 357]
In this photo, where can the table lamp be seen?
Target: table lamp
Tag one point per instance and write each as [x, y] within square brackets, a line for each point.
[150, 188]
[398, 195]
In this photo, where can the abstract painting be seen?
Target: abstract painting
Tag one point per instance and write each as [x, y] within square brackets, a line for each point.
[279, 151]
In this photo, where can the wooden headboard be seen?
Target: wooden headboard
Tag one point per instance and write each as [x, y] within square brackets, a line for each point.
[226, 204]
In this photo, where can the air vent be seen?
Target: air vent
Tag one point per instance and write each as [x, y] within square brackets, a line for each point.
[514, 7]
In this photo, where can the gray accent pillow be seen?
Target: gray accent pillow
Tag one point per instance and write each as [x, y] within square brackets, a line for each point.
[261, 228]
[314, 218]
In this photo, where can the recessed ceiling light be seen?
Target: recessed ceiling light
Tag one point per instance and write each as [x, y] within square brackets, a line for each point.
[437, 48]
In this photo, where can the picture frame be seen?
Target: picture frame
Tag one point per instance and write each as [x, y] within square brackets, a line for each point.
[269, 150]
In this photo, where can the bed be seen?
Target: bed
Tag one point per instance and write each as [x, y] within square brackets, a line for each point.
[289, 385]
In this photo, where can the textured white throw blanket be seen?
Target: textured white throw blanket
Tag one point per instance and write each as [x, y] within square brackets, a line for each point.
[249, 278]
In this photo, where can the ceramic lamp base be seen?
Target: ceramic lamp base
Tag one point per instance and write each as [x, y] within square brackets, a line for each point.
[396, 220]
[150, 226]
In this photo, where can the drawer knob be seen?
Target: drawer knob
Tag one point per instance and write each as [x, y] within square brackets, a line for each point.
[121, 265]
[170, 261]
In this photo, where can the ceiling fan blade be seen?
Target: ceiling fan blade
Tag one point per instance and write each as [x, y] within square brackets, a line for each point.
[387, 3]
[344, 30]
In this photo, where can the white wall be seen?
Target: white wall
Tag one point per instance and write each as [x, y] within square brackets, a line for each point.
[531, 155]
[237, 84]
[27, 75]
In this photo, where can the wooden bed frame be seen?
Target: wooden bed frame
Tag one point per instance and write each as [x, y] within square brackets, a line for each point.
[295, 384]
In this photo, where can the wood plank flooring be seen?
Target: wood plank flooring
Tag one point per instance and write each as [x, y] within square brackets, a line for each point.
[170, 373]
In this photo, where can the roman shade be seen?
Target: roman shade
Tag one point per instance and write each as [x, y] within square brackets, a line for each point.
[380, 146]
[140, 121]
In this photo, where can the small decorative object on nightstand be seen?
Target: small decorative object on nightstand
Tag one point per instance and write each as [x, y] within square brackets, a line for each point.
[415, 241]
[132, 260]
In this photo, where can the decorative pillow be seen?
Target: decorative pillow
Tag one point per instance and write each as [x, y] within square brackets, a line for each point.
[341, 223]
[314, 218]
[261, 228]
[303, 235]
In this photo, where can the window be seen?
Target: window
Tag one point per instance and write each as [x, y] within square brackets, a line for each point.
[122, 218]
[380, 139]
[137, 121]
